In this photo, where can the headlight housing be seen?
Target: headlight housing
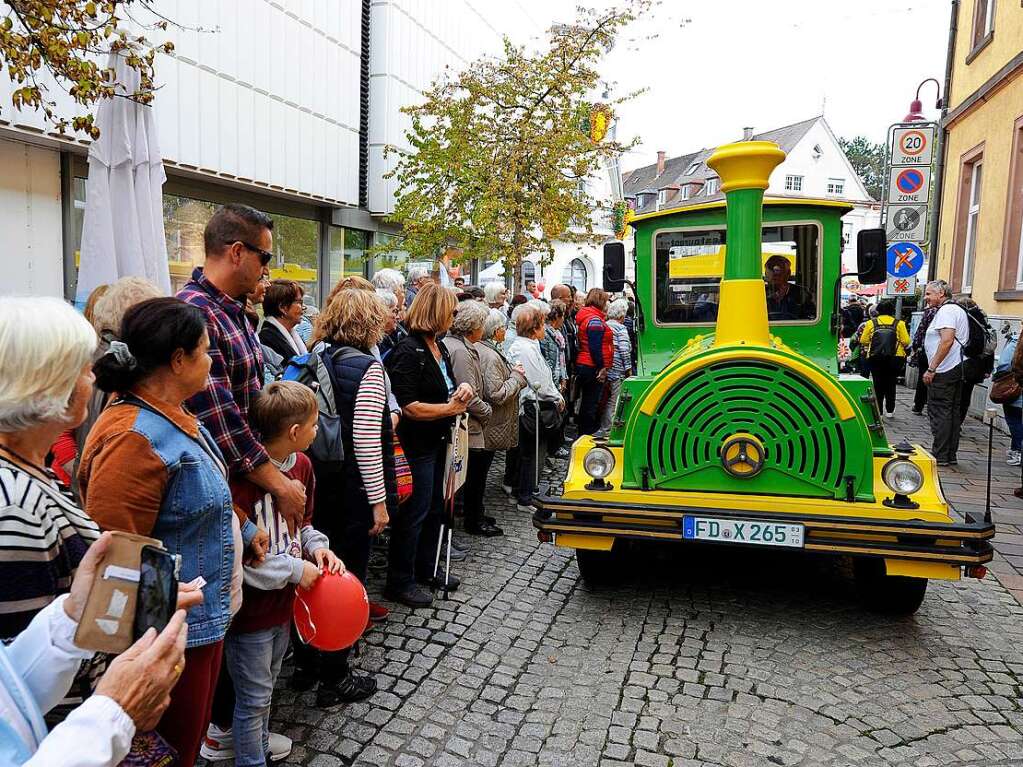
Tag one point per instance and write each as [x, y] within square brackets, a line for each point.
[599, 462]
[903, 477]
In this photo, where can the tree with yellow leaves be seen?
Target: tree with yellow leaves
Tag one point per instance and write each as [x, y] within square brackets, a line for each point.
[501, 151]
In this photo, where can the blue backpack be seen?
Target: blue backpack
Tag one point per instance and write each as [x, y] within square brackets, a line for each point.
[313, 370]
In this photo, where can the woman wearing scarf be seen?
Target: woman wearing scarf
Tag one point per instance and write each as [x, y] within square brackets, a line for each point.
[283, 310]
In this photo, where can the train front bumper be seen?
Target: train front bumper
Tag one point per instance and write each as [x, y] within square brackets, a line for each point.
[918, 548]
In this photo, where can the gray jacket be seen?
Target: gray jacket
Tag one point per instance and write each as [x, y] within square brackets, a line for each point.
[501, 387]
[465, 363]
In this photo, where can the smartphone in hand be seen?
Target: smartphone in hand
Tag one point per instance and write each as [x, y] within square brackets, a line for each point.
[157, 593]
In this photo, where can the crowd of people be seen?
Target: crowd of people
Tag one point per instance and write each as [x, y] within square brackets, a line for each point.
[186, 419]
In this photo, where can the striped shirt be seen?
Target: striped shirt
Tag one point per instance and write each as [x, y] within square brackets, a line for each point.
[622, 364]
[366, 421]
[43, 537]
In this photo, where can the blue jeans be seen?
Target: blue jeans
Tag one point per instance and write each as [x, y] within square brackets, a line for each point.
[254, 662]
[1014, 420]
[416, 525]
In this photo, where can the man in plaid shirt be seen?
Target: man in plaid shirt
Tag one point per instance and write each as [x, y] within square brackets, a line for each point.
[238, 241]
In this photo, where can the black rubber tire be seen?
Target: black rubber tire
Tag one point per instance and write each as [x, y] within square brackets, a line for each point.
[887, 594]
[600, 568]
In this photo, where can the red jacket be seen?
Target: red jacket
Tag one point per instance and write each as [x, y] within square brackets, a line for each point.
[596, 347]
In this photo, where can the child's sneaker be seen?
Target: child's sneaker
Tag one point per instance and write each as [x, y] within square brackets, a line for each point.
[218, 745]
[1014, 458]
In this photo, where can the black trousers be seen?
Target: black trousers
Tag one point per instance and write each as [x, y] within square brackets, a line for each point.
[529, 460]
[344, 515]
[943, 396]
[885, 371]
[965, 397]
[475, 486]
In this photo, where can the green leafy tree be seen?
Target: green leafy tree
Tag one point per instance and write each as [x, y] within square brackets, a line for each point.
[868, 160]
[66, 39]
[500, 151]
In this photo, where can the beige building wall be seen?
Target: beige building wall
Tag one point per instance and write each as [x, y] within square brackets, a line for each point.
[985, 128]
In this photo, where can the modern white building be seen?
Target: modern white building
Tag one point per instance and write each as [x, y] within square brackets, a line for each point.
[814, 166]
[286, 105]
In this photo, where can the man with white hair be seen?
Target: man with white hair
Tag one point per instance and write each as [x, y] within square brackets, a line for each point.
[495, 294]
[948, 332]
[417, 277]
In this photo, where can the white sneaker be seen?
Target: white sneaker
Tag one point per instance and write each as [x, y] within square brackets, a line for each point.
[1014, 458]
[508, 489]
[525, 508]
[890, 415]
[219, 745]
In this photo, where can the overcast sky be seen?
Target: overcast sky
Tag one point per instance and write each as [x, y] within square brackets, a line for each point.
[719, 65]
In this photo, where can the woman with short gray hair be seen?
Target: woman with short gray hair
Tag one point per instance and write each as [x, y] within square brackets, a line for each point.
[621, 365]
[502, 383]
[495, 294]
[466, 330]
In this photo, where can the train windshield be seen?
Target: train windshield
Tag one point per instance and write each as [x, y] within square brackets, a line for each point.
[689, 264]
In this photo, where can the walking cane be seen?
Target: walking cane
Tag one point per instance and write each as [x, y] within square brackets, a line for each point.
[536, 431]
[444, 538]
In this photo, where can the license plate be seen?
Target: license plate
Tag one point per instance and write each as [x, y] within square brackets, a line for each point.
[742, 531]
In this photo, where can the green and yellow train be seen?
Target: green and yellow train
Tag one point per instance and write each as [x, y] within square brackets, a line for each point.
[738, 428]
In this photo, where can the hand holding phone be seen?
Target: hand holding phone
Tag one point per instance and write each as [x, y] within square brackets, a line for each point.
[158, 591]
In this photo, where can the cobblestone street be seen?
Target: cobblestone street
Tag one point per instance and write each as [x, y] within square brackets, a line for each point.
[700, 657]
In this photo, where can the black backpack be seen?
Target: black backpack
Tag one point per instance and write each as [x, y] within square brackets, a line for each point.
[884, 340]
[979, 349]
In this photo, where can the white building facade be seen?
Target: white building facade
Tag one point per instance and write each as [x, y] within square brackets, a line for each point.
[285, 105]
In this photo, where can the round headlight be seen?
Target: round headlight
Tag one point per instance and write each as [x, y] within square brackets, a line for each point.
[599, 462]
[903, 477]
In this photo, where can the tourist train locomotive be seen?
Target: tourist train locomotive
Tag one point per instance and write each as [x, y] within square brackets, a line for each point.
[738, 428]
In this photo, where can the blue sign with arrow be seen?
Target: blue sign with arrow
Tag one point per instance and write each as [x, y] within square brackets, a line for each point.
[904, 259]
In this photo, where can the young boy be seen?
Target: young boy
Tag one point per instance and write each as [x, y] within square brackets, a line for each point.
[285, 415]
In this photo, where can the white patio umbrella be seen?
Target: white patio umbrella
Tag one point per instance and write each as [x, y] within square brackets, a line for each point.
[122, 234]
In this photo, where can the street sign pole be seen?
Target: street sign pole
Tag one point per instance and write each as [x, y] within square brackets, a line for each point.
[905, 214]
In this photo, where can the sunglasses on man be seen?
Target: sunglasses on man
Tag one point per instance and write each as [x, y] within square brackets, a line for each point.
[264, 255]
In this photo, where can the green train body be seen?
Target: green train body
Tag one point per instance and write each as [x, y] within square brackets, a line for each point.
[738, 418]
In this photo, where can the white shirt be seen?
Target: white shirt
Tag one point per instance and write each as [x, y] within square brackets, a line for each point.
[949, 315]
[539, 381]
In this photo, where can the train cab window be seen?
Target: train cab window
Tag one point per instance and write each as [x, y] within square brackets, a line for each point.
[688, 265]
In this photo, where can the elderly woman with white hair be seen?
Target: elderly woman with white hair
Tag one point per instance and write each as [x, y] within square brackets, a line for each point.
[390, 279]
[502, 383]
[495, 294]
[44, 389]
[621, 365]
[466, 331]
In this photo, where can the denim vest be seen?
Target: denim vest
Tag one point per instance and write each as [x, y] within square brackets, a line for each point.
[195, 517]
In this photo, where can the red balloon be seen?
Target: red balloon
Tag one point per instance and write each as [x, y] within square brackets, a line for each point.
[334, 613]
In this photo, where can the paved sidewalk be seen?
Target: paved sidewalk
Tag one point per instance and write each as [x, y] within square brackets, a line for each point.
[965, 485]
[702, 656]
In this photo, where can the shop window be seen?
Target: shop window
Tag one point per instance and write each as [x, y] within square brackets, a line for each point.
[390, 259]
[296, 239]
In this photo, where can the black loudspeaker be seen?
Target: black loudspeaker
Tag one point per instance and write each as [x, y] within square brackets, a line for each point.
[871, 256]
[614, 267]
